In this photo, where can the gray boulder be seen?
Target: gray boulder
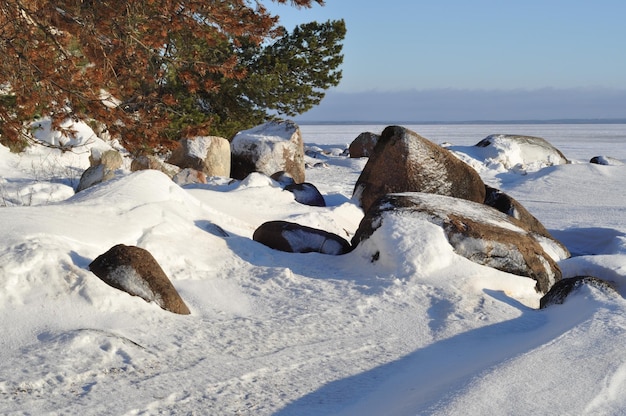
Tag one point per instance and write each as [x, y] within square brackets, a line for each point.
[134, 271]
[475, 231]
[283, 178]
[103, 167]
[271, 147]
[404, 161]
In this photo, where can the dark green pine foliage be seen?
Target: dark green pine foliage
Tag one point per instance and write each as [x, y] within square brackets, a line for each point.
[284, 78]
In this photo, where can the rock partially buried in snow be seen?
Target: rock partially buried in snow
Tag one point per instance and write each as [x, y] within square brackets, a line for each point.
[134, 271]
[562, 289]
[307, 194]
[403, 161]
[283, 178]
[269, 148]
[606, 160]
[511, 207]
[145, 162]
[475, 231]
[296, 238]
[189, 176]
[519, 153]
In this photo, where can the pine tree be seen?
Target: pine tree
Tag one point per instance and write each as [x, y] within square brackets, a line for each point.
[154, 71]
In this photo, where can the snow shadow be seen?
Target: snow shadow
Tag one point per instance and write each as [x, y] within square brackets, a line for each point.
[431, 375]
[80, 261]
[592, 240]
[310, 265]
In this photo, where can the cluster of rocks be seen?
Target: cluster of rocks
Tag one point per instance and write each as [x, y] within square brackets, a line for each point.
[406, 175]
[275, 149]
[272, 147]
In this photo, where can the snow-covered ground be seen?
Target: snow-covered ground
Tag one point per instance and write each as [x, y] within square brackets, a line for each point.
[425, 332]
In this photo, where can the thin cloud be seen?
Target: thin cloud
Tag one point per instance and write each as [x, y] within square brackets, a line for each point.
[454, 105]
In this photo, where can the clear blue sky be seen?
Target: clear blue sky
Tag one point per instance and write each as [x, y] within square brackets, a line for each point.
[473, 46]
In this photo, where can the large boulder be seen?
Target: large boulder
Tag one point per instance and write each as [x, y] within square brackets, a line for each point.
[269, 148]
[404, 161]
[208, 154]
[363, 145]
[296, 238]
[510, 206]
[134, 271]
[475, 231]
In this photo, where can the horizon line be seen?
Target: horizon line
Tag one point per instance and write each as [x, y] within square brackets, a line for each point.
[469, 122]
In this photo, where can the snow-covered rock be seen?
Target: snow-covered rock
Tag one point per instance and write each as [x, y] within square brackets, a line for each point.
[72, 135]
[606, 160]
[475, 231]
[565, 287]
[509, 152]
[103, 169]
[269, 148]
[510, 206]
[306, 193]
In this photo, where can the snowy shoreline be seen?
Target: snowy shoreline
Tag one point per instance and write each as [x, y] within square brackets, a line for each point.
[306, 334]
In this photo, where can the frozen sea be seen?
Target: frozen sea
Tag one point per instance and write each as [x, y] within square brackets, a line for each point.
[577, 139]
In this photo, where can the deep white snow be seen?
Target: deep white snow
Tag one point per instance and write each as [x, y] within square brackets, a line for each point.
[422, 331]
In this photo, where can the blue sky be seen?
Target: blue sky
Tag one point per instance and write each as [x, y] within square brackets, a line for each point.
[457, 52]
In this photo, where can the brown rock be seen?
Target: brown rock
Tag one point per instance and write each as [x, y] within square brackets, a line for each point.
[134, 271]
[510, 206]
[475, 231]
[403, 161]
[363, 145]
